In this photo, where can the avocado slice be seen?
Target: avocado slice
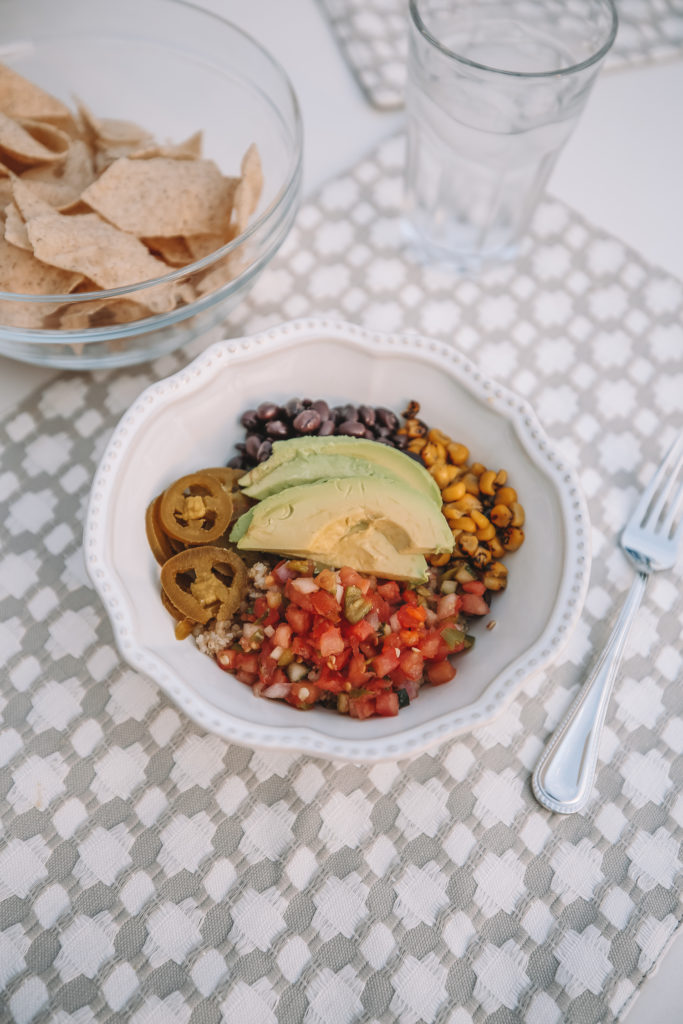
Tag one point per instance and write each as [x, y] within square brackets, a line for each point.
[375, 516]
[309, 468]
[393, 461]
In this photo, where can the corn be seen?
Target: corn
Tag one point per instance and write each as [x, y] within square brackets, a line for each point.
[471, 483]
[496, 548]
[501, 516]
[501, 478]
[482, 556]
[441, 559]
[432, 453]
[480, 519]
[464, 523]
[486, 533]
[468, 502]
[457, 453]
[513, 538]
[455, 492]
[468, 543]
[486, 482]
[438, 437]
[517, 514]
[506, 496]
[417, 444]
[477, 468]
[443, 475]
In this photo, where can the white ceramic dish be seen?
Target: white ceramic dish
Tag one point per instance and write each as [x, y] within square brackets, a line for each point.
[192, 419]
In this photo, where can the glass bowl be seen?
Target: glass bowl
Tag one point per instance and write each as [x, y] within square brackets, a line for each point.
[174, 70]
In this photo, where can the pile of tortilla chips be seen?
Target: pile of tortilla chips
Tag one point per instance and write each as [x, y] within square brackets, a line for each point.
[89, 204]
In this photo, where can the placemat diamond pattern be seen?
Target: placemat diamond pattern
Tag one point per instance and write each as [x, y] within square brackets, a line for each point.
[372, 37]
[151, 872]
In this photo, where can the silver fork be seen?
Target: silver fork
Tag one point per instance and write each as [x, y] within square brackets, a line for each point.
[563, 778]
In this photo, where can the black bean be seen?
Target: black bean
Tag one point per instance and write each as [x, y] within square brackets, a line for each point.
[307, 402]
[386, 418]
[350, 413]
[413, 455]
[351, 428]
[366, 414]
[236, 462]
[323, 408]
[400, 441]
[249, 419]
[276, 428]
[264, 451]
[327, 427]
[381, 432]
[293, 407]
[307, 422]
[252, 445]
[267, 411]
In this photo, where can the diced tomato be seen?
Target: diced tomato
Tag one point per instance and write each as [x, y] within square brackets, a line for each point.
[433, 646]
[474, 604]
[248, 678]
[474, 587]
[248, 663]
[390, 591]
[303, 695]
[362, 707]
[260, 607]
[410, 615]
[299, 596]
[380, 607]
[386, 704]
[299, 619]
[282, 635]
[330, 641]
[359, 631]
[386, 661]
[448, 606]
[333, 682]
[411, 664]
[338, 661]
[356, 672]
[325, 604]
[409, 637]
[304, 650]
[350, 578]
[440, 672]
[227, 659]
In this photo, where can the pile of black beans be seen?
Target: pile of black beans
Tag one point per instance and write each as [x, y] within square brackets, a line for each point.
[301, 417]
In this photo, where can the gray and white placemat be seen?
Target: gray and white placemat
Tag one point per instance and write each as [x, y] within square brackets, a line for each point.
[153, 873]
[372, 37]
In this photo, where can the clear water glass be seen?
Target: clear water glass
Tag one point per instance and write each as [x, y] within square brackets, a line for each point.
[495, 89]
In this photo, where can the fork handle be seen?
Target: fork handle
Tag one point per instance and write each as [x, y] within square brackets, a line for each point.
[563, 778]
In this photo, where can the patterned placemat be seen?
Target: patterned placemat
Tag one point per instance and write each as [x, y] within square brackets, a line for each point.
[372, 37]
[153, 873]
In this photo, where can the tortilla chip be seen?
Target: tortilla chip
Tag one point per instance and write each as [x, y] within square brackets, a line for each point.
[15, 228]
[173, 251]
[190, 149]
[21, 98]
[31, 142]
[162, 197]
[85, 244]
[248, 191]
[79, 316]
[71, 175]
[29, 201]
[5, 191]
[22, 272]
[223, 271]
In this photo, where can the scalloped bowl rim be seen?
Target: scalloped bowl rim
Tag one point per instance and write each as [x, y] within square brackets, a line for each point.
[411, 739]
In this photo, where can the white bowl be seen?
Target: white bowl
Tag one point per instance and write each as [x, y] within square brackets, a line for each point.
[192, 419]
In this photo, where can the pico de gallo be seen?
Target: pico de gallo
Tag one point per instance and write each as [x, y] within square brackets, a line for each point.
[351, 642]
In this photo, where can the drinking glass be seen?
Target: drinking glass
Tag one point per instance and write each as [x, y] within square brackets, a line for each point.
[495, 89]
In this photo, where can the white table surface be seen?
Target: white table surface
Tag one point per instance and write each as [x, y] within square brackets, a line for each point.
[621, 170]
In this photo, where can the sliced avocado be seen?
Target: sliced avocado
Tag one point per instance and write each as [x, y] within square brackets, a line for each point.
[309, 468]
[372, 554]
[390, 459]
[320, 517]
